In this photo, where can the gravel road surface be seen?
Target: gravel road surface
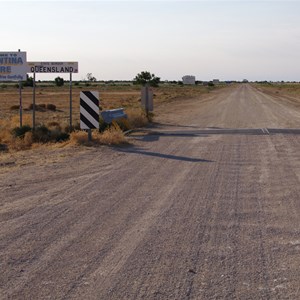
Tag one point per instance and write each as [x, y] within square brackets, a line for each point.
[203, 205]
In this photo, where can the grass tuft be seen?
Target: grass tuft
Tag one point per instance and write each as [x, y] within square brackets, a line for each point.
[113, 136]
[136, 118]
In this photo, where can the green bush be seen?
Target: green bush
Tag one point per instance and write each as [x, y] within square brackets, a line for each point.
[102, 125]
[20, 131]
[41, 134]
[28, 82]
[59, 81]
[14, 107]
[58, 136]
[75, 127]
[51, 106]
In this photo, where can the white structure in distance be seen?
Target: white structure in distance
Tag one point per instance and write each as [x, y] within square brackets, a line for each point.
[189, 79]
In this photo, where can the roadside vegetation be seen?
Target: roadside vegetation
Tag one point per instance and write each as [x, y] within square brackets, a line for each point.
[289, 88]
[289, 91]
[52, 111]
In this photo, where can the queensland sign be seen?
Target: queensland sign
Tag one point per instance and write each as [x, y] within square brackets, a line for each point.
[13, 66]
[52, 67]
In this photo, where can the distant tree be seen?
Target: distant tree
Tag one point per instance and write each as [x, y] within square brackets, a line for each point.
[28, 82]
[146, 77]
[90, 77]
[59, 81]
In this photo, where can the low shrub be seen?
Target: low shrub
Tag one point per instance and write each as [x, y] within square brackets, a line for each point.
[53, 124]
[3, 147]
[19, 144]
[136, 118]
[123, 124]
[38, 107]
[75, 127]
[102, 125]
[79, 138]
[20, 131]
[51, 107]
[57, 135]
[113, 136]
[41, 134]
[14, 107]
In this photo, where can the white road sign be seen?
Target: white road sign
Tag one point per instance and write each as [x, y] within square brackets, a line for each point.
[52, 67]
[13, 66]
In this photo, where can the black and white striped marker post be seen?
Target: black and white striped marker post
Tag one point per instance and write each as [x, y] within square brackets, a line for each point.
[89, 111]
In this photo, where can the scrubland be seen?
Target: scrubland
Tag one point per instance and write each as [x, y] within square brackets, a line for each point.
[53, 113]
[289, 92]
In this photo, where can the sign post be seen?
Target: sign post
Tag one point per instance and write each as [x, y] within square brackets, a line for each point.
[71, 102]
[89, 111]
[20, 107]
[147, 99]
[33, 103]
[13, 67]
[52, 67]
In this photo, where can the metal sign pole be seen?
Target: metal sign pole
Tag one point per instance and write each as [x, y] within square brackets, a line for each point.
[147, 101]
[70, 101]
[21, 109]
[89, 135]
[33, 103]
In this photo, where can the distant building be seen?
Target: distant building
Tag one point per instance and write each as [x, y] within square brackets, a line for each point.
[216, 81]
[189, 79]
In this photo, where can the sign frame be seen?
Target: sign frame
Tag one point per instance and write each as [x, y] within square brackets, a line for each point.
[13, 65]
[52, 67]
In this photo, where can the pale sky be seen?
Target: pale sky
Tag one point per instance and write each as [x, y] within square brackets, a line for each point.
[229, 40]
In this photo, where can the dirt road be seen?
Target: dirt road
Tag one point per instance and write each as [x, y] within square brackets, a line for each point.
[204, 206]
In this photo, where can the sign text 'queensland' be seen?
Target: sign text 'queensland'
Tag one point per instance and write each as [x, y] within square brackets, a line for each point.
[52, 67]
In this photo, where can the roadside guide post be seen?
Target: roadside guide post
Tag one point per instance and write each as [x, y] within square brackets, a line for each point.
[147, 99]
[89, 111]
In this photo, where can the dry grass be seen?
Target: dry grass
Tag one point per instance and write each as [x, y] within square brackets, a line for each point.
[112, 136]
[6, 126]
[57, 120]
[289, 91]
[18, 144]
[136, 118]
[111, 97]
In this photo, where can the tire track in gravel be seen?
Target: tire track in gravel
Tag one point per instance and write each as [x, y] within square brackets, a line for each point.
[172, 217]
[64, 236]
[101, 290]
